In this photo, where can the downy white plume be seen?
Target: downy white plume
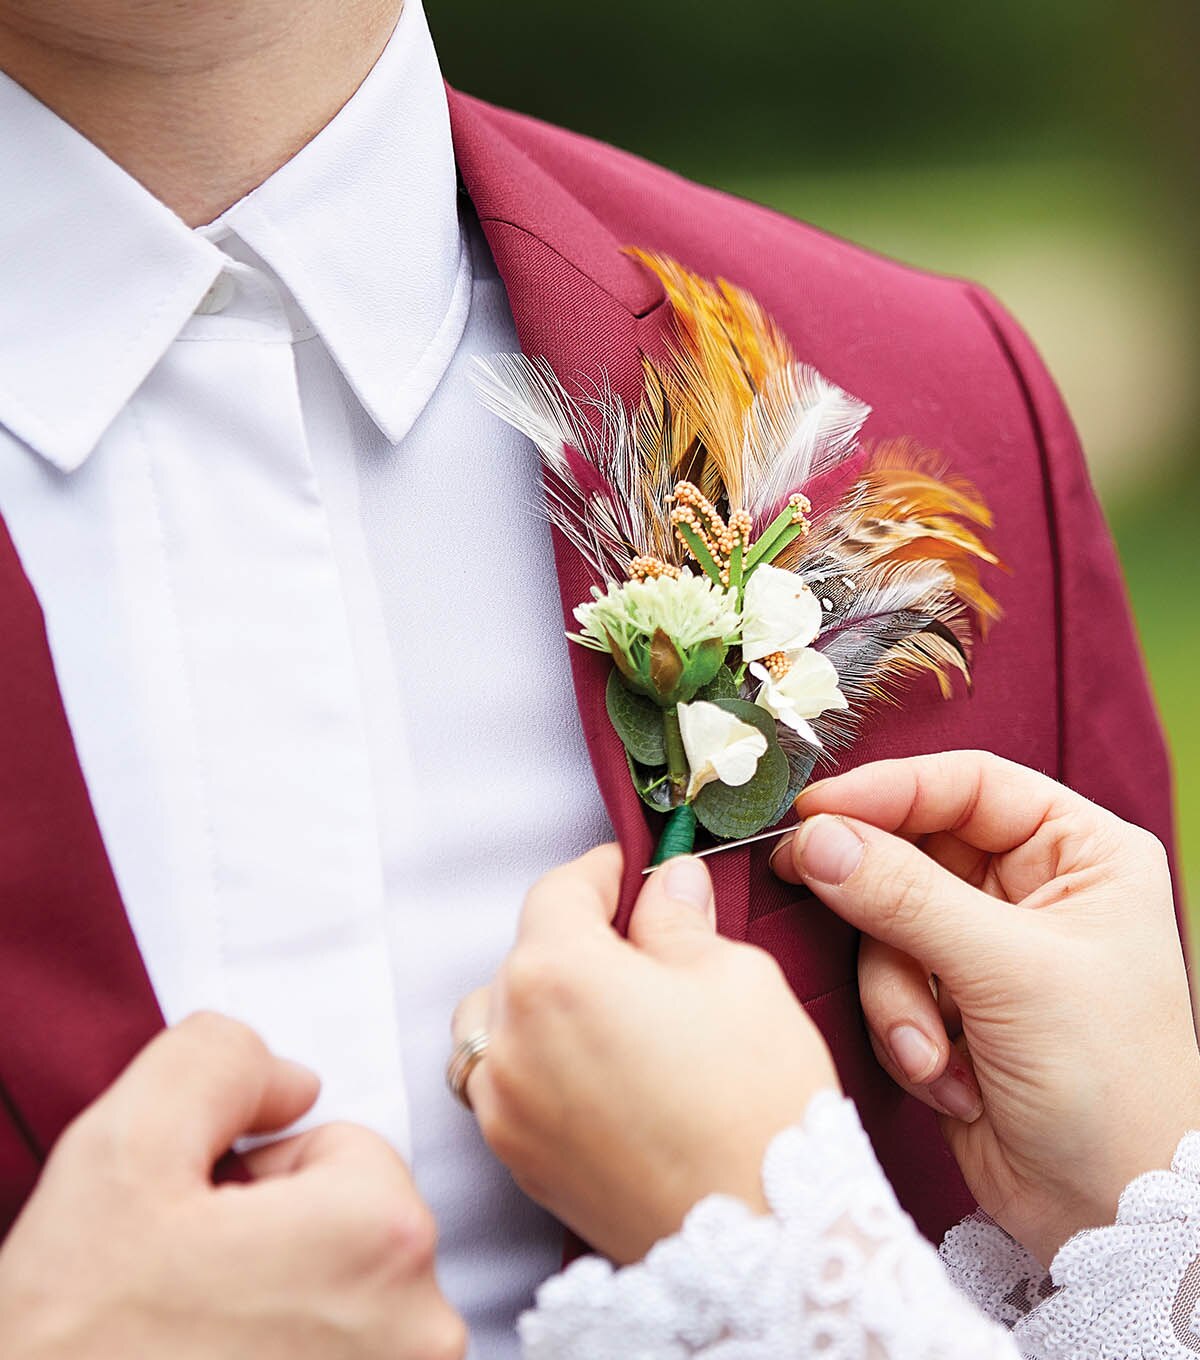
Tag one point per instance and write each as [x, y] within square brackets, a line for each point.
[799, 426]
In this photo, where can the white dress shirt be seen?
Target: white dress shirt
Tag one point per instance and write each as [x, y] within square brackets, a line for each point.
[302, 609]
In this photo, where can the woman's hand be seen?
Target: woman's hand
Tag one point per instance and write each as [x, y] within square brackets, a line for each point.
[1048, 925]
[626, 1080]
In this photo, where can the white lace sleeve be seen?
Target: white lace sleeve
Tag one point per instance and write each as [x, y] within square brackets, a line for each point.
[836, 1271]
[1132, 1289]
[996, 1273]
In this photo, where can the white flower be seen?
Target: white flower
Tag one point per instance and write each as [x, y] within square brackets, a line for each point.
[809, 689]
[718, 746]
[779, 613]
[689, 609]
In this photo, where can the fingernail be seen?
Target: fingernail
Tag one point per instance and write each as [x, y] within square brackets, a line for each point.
[784, 846]
[808, 788]
[687, 881]
[829, 850]
[915, 1053]
[956, 1092]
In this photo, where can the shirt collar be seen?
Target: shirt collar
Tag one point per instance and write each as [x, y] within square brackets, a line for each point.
[98, 277]
[362, 226]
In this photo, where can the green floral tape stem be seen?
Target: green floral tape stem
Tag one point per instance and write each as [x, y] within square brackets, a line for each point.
[679, 835]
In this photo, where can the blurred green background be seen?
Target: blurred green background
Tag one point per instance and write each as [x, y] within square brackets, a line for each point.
[1045, 147]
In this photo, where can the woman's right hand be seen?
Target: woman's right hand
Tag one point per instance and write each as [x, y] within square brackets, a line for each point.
[1049, 927]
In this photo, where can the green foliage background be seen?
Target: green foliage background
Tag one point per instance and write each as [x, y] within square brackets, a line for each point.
[1049, 147]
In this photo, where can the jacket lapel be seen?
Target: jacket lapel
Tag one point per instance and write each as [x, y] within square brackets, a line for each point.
[75, 1001]
[586, 307]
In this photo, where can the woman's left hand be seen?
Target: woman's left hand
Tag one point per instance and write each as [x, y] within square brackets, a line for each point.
[625, 1080]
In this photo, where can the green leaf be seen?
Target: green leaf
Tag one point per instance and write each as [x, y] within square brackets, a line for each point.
[721, 686]
[732, 813]
[620, 660]
[638, 721]
[704, 663]
[653, 787]
[800, 768]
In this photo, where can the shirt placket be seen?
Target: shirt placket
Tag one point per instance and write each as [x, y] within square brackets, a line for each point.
[283, 881]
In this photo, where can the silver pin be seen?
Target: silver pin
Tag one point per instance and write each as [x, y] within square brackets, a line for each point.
[734, 845]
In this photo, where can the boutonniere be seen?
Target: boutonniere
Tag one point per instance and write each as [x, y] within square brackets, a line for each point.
[750, 629]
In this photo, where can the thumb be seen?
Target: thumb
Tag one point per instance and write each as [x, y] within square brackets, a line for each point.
[675, 917]
[893, 892]
[197, 1087]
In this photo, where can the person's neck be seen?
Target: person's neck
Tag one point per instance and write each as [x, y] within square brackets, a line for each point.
[200, 103]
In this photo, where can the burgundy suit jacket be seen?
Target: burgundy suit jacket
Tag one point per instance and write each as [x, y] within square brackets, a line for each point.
[1059, 685]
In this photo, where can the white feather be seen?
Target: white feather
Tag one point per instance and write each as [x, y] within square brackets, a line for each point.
[608, 531]
[800, 426]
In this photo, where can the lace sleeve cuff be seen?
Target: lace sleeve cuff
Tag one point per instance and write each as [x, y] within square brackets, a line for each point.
[837, 1270]
[1132, 1289]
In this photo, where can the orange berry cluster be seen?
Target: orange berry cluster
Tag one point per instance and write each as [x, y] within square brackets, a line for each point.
[651, 568]
[694, 509]
[801, 508]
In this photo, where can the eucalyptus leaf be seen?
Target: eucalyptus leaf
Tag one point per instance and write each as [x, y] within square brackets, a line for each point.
[651, 783]
[733, 813]
[801, 761]
[638, 721]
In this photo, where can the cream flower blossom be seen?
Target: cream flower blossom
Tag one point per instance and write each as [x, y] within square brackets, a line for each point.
[808, 689]
[718, 745]
[779, 613]
[689, 609]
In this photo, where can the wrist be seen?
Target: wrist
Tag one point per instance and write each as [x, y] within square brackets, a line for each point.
[1148, 1148]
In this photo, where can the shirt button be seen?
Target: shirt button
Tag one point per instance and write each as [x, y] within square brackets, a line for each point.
[219, 295]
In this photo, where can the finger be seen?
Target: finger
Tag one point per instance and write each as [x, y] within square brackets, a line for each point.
[992, 803]
[675, 917]
[964, 861]
[336, 1146]
[280, 1158]
[893, 892]
[471, 1014]
[908, 1035]
[575, 896]
[198, 1087]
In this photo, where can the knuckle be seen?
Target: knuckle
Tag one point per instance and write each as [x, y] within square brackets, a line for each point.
[353, 1144]
[756, 966]
[394, 1234]
[900, 896]
[448, 1337]
[891, 983]
[536, 981]
[410, 1233]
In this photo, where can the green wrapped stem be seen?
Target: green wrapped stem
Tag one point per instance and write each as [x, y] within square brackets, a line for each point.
[677, 765]
[679, 835]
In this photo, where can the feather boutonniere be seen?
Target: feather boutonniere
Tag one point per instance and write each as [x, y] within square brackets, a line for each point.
[750, 631]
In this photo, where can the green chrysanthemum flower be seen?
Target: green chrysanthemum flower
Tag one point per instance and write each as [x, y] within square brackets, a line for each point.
[668, 635]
